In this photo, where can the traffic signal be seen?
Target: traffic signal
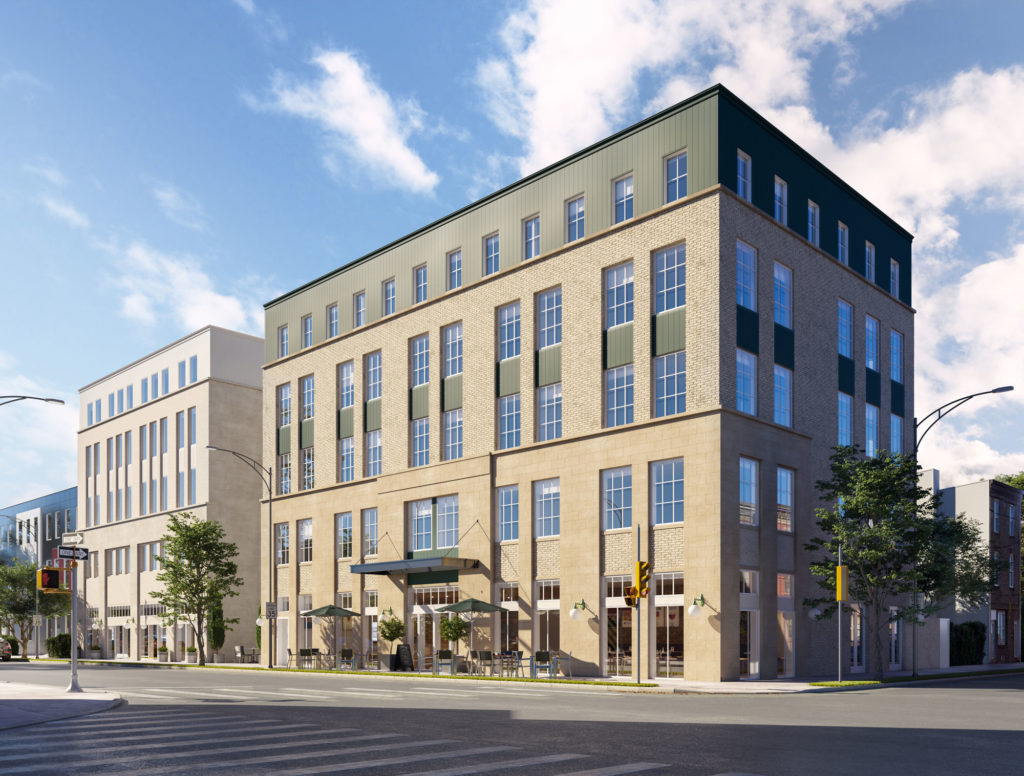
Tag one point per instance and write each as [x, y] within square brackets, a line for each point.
[643, 577]
[48, 580]
[631, 596]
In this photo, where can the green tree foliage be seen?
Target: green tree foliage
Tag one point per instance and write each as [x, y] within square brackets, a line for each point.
[454, 629]
[1013, 480]
[899, 550]
[390, 629]
[966, 643]
[18, 600]
[199, 572]
[59, 646]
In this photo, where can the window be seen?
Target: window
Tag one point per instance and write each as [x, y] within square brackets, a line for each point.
[307, 331]
[746, 382]
[895, 356]
[181, 384]
[675, 177]
[784, 585]
[743, 174]
[282, 346]
[781, 201]
[420, 442]
[546, 507]
[995, 518]
[617, 498]
[332, 320]
[420, 348]
[508, 422]
[623, 199]
[618, 295]
[453, 349]
[746, 276]
[370, 531]
[813, 223]
[508, 513]
[1013, 519]
[373, 453]
[995, 569]
[454, 270]
[894, 277]
[508, 331]
[421, 519]
[164, 384]
[667, 491]
[343, 534]
[284, 405]
[748, 491]
[420, 282]
[453, 434]
[843, 245]
[307, 468]
[618, 396]
[388, 296]
[346, 459]
[845, 314]
[871, 342]
[670, 384]
[359, 309]
[549, 318]
[670, 278]
[346, 385]
[192, 438]
[1011, 580]
[895, 434]
[306, 389]
[281, 543]
[447, 521]
[784, 499]
[1001, 628]
[845, 412]
[179, 423]
[531, 238]
[870, 430]
[492, 258]
[783, 396]
[869, 261]
[783, 295]
[128, 390]
[373, 376]
[145, 396]
[574, 219]
[549, 412]
[306, 540]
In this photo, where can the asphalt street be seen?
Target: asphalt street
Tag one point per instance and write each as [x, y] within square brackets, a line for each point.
[240, 722]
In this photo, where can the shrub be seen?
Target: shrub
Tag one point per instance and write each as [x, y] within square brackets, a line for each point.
[59, 645]
[967, 643]
[191, 649]
[15, 646]
[454, 629]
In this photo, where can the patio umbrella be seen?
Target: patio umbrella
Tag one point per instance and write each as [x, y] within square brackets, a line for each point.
[470, 605]
[331, 611]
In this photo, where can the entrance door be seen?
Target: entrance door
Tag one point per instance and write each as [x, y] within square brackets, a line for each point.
[619, 641]
[786, 666]
[749, 666]
[282, 642]
[669, 639]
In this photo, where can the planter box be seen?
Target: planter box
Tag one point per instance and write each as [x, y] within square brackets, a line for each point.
[163, 657]
[95, 654]
[218, 657]
[191, 657]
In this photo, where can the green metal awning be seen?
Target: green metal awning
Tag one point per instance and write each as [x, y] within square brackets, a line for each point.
[415, 565]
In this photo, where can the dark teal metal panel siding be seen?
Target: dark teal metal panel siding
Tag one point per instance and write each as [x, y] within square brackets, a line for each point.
[897, 398]
[872, 387]
[847, 380]
[747, 330]
[785, 347]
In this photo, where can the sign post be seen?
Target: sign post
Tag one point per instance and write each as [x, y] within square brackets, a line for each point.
[75, 554]
[841, 595]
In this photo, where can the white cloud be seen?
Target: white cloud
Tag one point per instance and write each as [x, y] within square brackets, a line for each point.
[246, 5]
[180, 206]
[267, 24]
[363, 125]
[64, 211]
[48, 172]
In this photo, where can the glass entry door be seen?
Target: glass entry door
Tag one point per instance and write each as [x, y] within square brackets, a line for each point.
[668, 623]
[619, 642]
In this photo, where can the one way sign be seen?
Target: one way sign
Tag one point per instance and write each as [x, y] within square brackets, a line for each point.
[77, 553]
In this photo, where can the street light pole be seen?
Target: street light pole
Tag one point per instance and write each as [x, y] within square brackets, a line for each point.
[266, 473]
[11, 399]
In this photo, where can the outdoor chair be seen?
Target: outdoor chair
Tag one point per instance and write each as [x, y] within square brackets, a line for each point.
[291, 659]
[347, 658]
[474, 661]
[568, 663]
[239, 654]
[444, 658]
[542, 661]
[485, 658]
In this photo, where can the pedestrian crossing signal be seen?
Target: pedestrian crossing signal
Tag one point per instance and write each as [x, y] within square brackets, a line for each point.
[631, 596]
[643, 577]
[48, 580]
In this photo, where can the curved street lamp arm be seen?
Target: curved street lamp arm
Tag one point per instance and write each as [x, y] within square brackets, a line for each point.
[12, 399]
[947, 408]
[265, 473]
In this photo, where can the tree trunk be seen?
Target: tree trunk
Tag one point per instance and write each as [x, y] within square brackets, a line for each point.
[876, 658]
[200, 645]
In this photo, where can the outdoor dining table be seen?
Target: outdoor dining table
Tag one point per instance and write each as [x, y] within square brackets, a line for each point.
[511, 662]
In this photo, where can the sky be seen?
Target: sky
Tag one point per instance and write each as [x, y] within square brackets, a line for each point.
[164, 166]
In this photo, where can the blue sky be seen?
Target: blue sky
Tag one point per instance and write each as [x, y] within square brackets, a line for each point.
[165, 166]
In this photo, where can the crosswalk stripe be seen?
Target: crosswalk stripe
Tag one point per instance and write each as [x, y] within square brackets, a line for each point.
[618, 770]
[141, 726]
[337, 767]
[466, 770]
[202, 691]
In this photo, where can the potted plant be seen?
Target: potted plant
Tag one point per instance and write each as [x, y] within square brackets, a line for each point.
[162, 654]
[389, 630]
[95, 651]
[454, 629]
[191, 655]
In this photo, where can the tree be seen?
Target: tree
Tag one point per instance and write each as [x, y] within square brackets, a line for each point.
[389, 630]
[899, 551]
[1013, 480]
[454, 629]
[18, 600]
[198, 573]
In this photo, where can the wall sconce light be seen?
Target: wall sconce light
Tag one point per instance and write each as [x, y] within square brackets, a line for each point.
[697, 606]
[577, 609]
[387, 612]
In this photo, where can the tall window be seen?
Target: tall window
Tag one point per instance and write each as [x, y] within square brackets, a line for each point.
[145, 397]
[492, 256]
[306, 540]
[369, 519]
[193, 375]
[894, 277]
[845, 411]
[373, 376]
[746, 382]
[895, 356]
[784, 499]
[281, 543]
[454, 270]
[453, 349]
[343, 534]
[623, 199]
[508, 331]
[346, 459]
[871, 342]
[181, 384]
[667, 491]
[282, 347]
[574, 219]
[447, 521]
[307, 468]
[675, 177]
[421, 524]
[420, 360]
[618, 295]
[508, 513]
[165, 381]
[373, 453]
[869, 261]
[870, 430]
[895, 434]
[781, 201]
[783, 396]
[346, 385]
[453, 434]
[421, 442]
[307, 332]
[743, 174]
[670, 278]
[508, 422]
[546, 507]
[813, 223]
[388, 297]
[549, 317]
[783, 295]
[670, 384]
[746, 276]
[843, 244]
[748, 491]
[549, 412]
[617, 498]
[618, 396]
[359, 309]
[845, 315]
[332, 320]
[420, 283]
[306, 390]
[531, 237]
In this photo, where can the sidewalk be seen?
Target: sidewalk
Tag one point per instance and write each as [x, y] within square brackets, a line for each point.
[30, 704]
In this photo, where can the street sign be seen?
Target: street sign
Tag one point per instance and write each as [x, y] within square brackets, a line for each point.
[72, 538]
[37, 619]
[271, 609]
[74, 553]
[81, 553]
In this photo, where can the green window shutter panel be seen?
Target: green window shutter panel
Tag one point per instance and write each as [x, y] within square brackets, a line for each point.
[549, 365]
[748, 334]
[346, 423]
[451, 393]
[284, 440]
[618, 346]
[872, 387]
[669, 331]
[847, 382]
[508, 376]
[419, 402]
[897, 398]
[371, 415]
[785, 348]
[306, 433]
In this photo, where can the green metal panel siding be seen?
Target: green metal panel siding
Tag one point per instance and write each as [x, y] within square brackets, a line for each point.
[747, 330]
[419, 402]
[306, 433]
[785, 347]
[669, 331]
[618, 346]
[508, 376]
[549, 365]
[452, 552]
[284, 440]
[434, 577]
[371, 415]
[451, 393]
[872, 387]
[847, 382]
[346, 423]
